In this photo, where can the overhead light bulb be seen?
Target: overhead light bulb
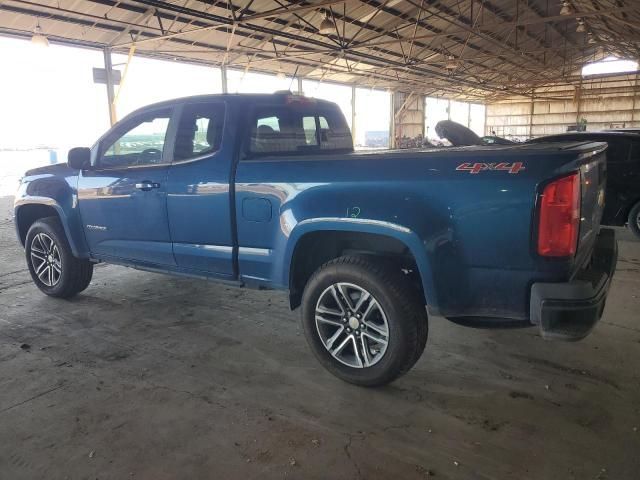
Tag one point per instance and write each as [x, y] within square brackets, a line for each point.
[591, 39]
[566, 9]
[451, 63]
[581, 28]
[327, 26]
[38, 38]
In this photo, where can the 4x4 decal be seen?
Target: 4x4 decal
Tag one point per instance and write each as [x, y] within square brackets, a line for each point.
[474, 168]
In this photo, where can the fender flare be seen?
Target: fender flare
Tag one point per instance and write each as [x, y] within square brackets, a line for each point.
[360, 225]
[78, 248]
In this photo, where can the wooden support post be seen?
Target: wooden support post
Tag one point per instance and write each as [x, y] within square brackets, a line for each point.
[108, 66]
[531, 114]
[353, 113]
[223, 75]
[392, 123]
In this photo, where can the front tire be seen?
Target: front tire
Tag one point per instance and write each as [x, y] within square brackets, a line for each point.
[363, 320]
[634, 220]
[53, 268]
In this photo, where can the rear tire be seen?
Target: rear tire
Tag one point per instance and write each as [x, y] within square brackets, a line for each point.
[363, 320]
[53, 268]
[634, 220]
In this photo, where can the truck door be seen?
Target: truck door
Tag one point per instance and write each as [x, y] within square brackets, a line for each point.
[198, 199]
[122, 197]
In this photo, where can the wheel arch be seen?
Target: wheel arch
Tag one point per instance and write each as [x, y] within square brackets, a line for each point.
[314, 242]
[631, 205]
[27, 211]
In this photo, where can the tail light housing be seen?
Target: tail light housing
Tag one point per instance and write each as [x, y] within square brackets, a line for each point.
[559, 219]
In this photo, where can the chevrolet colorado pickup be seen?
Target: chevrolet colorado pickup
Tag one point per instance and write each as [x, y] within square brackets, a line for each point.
[266, 191]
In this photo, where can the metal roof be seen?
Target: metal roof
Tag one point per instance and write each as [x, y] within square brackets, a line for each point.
[474, 49]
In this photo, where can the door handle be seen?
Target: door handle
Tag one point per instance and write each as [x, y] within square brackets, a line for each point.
[146, 185]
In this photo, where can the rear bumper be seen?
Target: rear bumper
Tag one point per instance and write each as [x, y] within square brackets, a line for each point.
[569, 311]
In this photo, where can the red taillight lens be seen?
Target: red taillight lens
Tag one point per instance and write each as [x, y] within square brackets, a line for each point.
[560, 217]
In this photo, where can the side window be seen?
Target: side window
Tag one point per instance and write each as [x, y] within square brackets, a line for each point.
[199, 131]
[617, 151]
[140, 143]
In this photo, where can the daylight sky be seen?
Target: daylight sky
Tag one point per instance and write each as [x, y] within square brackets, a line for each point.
[48, 97]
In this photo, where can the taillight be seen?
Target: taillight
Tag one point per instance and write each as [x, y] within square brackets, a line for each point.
[560, 217]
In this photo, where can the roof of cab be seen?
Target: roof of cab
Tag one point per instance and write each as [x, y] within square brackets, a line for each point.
[281, 96]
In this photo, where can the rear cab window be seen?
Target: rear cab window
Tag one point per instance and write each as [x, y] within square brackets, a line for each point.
[296, 129]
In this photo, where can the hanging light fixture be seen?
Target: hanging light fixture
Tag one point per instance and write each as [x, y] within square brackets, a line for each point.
[327, 26]
[581, 28]
[38, 38]
[591, 38]
[566, 8]
[451, 63]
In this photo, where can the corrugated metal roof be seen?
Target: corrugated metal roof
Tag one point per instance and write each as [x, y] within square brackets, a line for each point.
[456, 48]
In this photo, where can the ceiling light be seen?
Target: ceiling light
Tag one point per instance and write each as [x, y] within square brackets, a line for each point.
[566, 9]
[451, 63]
[38, 38]
[591, 39]
[327, 26]
[581, 28]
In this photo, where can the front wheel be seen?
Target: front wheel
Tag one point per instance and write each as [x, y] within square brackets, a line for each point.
[634, 220]
[363, 321]
[53, 268]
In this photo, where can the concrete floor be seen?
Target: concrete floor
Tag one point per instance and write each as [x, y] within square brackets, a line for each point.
[154, 377]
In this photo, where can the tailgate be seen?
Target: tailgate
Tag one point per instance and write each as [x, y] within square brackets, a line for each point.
[593, 173]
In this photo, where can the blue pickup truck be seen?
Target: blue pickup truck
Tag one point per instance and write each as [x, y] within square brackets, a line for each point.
[266, 191]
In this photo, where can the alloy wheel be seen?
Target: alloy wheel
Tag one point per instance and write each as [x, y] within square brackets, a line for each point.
[45, 259]
[352, 325]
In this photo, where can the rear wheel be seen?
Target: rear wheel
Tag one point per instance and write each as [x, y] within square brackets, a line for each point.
[363, 321]
[53, 268]
[634, 220]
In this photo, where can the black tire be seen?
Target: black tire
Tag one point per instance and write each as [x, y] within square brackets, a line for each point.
[74, 273]
[399, 304]
[634, 220]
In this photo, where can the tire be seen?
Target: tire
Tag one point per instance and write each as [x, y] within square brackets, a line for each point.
[634, 220]
[392, 306]
[61, 275]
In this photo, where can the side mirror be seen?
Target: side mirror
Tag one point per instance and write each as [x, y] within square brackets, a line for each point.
[79, 158]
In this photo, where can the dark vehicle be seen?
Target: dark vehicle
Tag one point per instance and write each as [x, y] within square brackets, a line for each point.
[493, 140]
[622, 205]
[624, 130]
